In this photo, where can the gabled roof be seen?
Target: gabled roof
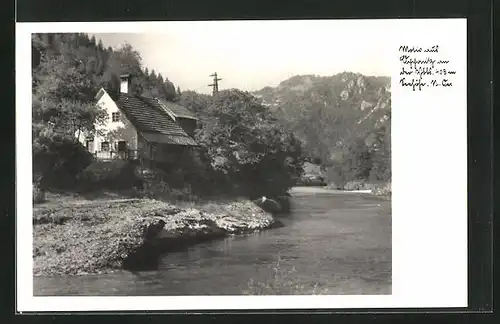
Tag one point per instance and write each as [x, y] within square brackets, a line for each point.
[177, 110]
[151, 120]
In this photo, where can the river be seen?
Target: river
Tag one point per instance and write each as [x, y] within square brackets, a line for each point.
[332, 243]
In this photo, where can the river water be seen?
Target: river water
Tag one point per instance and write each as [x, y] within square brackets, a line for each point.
[332, 243]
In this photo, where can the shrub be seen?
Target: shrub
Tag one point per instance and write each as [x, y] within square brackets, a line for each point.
[282, 282]
[117, 174]
[244, 142]
[385, 190]
[193, 173]
[160, 190]
[38, 194]
[335, 178]
[157, 184]
[316, 160]
[57, 160]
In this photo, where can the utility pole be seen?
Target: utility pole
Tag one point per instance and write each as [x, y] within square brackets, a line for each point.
[215, 85]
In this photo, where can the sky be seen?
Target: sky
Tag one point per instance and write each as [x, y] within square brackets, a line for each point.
[250, 55]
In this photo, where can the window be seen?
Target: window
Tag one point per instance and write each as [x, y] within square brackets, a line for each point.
[105, 146]
[89, 144]
[122, 146]
[115, 117]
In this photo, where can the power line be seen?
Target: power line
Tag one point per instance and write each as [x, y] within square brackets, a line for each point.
[215, 85]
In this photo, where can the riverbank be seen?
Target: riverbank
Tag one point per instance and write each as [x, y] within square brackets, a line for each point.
[383, 191]
[76, 236]
[333, 243]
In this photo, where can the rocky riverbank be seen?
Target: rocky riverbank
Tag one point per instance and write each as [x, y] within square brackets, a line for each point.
[379, 189]
[384, 190]
[90, 237]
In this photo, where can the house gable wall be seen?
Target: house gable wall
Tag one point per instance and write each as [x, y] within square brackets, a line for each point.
[110, 131]
[123, 130]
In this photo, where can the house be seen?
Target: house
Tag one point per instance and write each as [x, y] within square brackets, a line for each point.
[151, 130]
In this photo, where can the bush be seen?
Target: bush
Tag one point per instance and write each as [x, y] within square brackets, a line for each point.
[245, 144]
[117, 174]
[384, 190]
[57, 161]
[335, 178]
[354, 185]
[282, 282]
[316, 160]
[193, 173]
[157, 188]
[38, 194]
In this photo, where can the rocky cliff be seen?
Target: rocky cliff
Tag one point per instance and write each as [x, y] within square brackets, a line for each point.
[326, 111]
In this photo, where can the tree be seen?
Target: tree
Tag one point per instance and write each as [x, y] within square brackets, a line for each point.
[57, 160]
[196, 102]
[244, 142]
[170, 92]
[100, 46]
[124, 60]
[64, 96]
[160, 89]
[63, 107]
[381, 154]
[325, 114]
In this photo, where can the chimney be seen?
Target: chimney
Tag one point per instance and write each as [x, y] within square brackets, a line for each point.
[125, 83]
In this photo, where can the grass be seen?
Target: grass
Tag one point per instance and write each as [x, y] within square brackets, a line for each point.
[38, 194]
[282, 282]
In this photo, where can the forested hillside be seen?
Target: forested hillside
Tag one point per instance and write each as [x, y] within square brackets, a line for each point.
[101, 64]
[343, 120]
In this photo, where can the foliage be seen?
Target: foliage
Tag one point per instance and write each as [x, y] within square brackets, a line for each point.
[282, 282]
[243, 142]
[73, 66]
[359, 161]
[249, 142]
[116, 174]
[161, 190]
[195, 102]
[68, 71]
[342, 120]
[385, 190]
[38, 194]
[381, 155]
[63, 97]
[57, 160]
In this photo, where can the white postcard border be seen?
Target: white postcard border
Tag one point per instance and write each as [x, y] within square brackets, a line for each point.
[429, 145]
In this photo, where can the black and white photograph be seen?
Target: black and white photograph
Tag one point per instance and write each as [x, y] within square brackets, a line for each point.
[244, 158]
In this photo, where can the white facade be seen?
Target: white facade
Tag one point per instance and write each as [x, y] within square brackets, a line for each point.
[114, 121]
